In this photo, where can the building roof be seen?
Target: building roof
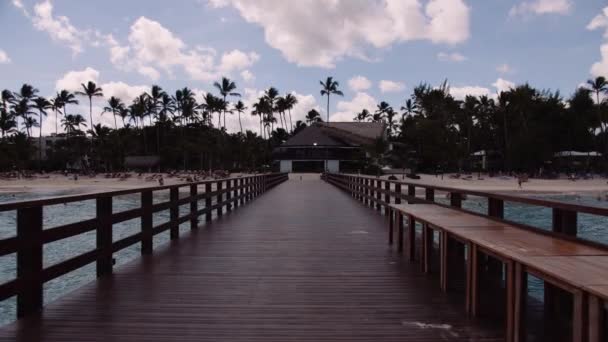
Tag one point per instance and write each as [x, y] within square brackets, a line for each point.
[338, 134]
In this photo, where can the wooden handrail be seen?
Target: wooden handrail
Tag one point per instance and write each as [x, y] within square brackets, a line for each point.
[31, 236]
[564, 214]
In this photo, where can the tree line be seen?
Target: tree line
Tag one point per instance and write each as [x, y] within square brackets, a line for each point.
[522, 127]
[176, 127]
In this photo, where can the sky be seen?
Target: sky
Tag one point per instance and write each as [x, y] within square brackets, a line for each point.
[378, 50]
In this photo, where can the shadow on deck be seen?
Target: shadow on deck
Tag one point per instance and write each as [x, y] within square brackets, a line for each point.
[302, 262]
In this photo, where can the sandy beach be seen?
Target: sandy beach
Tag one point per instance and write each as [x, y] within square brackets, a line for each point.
[99, 183]
[510, 184]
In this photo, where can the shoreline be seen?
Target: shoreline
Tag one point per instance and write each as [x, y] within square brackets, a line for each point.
[53, 183]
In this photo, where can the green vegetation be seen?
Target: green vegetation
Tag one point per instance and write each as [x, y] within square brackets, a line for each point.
[523, 127]
[175, 127]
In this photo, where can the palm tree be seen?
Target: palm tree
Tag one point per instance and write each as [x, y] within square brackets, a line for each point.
[271, 95]
[410, 108]
[240, 108]
[313, 116]
[291, 101]
[115, 105]
[599, 85]
[281, 107]
[90, 90]
[363, 115]
[65, 98]
[7, 122]
[27, 92]
[56, 107]
[72, 122]
[41, 104]
[23, 109]
[226, 88]
[261, 109]
[28, 123]
[7, 99]
[330, 87]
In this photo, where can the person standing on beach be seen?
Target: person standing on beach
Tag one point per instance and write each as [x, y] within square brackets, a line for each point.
[519, 181]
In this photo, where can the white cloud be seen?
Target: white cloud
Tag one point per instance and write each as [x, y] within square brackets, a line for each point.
[540, 7]
[4, 59]
[359, 83]
[451, 57]
[387, 86]
[600, 22]
[503, 85]
[237, 60]
[347, 110]
[58, 27]
[459, 93]
[354, 25]
[72, 80]
[123, 91]
[504, 68]
[247, 76]
[153, 47]
[19, 5]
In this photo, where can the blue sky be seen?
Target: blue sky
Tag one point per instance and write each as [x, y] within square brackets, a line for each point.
[377, 49]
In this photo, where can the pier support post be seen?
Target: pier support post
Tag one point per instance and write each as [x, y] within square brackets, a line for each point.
[104, 235]
[29, 260]
[387, 196]
[219, 198]
[208, 200]
[411, 192]
[193, 206]
[146, 222]
[174, 213]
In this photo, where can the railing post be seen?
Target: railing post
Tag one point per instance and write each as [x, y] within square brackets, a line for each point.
[411, 192]
[194, 206]
[378, 194]
[429, 194]
[565, 221]
[228, 195]
[219, 198]
[104, 235]
[174, 213]
[29, 260]
[208, 202]
[496, 207]
[146, 222]
[387, 197]
[236, 193]
[241, 197]
[398, 195]
[367, 193]
[456, 199]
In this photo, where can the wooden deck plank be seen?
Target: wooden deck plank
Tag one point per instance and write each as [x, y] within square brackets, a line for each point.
[303, 262]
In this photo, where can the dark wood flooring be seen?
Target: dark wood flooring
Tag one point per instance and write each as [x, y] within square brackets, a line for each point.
[304, 262]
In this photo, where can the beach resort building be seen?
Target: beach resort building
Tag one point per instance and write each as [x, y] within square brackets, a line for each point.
[335, 147]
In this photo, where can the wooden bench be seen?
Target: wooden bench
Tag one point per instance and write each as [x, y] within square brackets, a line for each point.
[573, 267]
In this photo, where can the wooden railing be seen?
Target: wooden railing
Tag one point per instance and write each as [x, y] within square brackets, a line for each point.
[380, 193]
[31, 235]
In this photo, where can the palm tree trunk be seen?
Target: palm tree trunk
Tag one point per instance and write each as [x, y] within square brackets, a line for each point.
[55, 121]
[290, 122]
[327, 107]
[91, 110]
[115, 124]
[40, 143]
[240, 124]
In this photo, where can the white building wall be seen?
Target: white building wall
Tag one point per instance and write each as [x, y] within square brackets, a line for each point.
[286, 166]
[333, 165]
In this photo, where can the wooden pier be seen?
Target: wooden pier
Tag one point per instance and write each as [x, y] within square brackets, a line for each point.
[305, 262]
[493, 255]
